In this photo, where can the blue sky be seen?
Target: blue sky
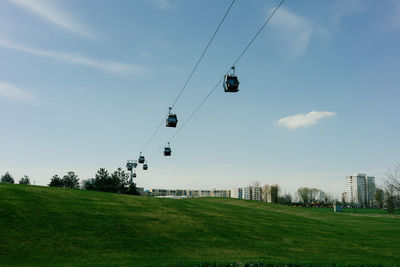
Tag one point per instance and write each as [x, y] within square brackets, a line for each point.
[84, 84]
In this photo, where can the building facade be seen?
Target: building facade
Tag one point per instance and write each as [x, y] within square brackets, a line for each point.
[189, 193]
[237, 193]
[360, 190]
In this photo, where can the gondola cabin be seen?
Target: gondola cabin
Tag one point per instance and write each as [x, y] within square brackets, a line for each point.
[141, 159]
[172, 120]
[145, 166]
[167, 151]
[129, 166]
[134, 175]
[231, 84]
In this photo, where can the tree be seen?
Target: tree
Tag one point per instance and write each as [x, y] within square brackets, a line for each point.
[285, 198]
[379, 197]
[56, 181]
[102, 181]
[70, 180]
[132, 190]
[88, 184]
[117, 182]
[304, 195]
[393, 178]
[7, 178]
[265, 192]
[390, 192]
[121, 180]
[25, 180]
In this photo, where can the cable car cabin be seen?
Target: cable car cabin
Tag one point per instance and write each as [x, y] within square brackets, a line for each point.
[134, 175]
[141, 159]
[145, 166]
[172, 120]
[167, 151]
[231, 84]
[129, 166]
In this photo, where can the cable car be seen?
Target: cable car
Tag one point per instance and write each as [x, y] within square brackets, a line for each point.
[129, 166]
[134, 175]
[145, 166]
[141, 158]
[172, 119]
[231, 82]
[167, 151]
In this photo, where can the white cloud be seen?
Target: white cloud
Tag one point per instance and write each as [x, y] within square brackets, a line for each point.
[11, 92]
[296, 31]
[304, 120]
[103, 65]
[162, 4]
[46, 10]
[346, 8]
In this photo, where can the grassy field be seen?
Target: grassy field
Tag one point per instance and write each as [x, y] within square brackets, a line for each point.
[52, 226]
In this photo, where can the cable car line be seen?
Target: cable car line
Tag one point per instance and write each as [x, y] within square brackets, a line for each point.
[259, 31]
[233, 66]
[202, 55]
[191, 74]
[221, 79]
[217, 84]
[152, 137]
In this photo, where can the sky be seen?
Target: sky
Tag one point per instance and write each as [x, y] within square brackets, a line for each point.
[84, 85]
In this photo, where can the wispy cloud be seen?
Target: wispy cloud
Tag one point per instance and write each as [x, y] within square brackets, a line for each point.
[103, 65]
[55, 15]
[344, 8]
[304, 120]
[11, 92]
[392, 20]
[295, 30]
[162, 4]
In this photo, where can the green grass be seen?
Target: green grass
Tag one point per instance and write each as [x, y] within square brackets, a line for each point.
[369, 211]
[52, 226]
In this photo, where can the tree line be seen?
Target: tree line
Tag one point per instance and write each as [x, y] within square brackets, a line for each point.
[392, 188]
[7, 178]
[116, 182]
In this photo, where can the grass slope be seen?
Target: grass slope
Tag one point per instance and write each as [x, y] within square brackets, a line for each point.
[52, 226]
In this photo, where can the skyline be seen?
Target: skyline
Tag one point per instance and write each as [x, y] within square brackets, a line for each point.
[82, 87]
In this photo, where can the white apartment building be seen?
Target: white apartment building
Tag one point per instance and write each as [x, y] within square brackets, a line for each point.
[246, 193]
[249, 193]
[256, 193]
[190, 193]
[237, 193]
[360, 189]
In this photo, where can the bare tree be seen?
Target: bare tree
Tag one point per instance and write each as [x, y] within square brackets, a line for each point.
[255, 184]
[265, 192]
[303, 194]
[393, 177]
[379, 197]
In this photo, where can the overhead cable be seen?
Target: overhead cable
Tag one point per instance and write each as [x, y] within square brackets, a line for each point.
[191, 74]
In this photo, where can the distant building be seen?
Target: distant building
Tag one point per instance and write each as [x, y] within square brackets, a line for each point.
[255, 193]
[246, 193]
[360, 190]
[189, 193]
[272, 197]
[237, 193]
